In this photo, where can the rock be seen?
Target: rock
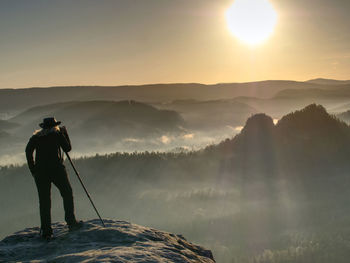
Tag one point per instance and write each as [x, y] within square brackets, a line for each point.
[119, 241]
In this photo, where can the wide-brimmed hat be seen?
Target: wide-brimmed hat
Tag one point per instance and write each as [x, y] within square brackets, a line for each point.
[49, 123]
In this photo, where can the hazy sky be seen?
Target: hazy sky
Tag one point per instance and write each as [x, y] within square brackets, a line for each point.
[112, 42]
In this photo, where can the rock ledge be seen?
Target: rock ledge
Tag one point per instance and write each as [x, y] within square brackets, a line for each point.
[120, 241]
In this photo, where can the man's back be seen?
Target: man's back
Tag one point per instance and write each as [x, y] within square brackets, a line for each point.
[47, 144]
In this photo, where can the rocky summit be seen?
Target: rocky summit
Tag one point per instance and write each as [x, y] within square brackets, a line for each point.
[119, 241]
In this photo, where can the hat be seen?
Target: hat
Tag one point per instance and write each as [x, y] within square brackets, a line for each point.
[49, 123]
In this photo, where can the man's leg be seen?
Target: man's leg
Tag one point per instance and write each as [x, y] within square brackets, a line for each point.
[60, 179]
[43, 185]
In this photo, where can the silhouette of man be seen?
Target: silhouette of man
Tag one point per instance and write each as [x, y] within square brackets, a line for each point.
[48, 168]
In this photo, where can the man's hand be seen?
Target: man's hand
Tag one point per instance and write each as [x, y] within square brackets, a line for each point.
[64, 140]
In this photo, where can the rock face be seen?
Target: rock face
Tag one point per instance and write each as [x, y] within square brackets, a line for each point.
[119, 241]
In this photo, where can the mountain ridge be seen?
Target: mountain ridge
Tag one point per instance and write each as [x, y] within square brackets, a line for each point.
[304, 140]
[20, 99]
[325, 81]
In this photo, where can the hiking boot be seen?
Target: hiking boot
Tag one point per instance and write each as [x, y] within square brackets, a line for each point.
[75, 226]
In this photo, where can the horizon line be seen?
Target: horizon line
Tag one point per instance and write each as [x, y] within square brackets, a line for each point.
[178, 83]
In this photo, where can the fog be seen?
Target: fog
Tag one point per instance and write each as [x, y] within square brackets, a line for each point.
[100, 127]
[168, 142]
[251, 187]
[238, 218]
[258, 197]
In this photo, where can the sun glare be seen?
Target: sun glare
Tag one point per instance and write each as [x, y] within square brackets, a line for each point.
[251, 21]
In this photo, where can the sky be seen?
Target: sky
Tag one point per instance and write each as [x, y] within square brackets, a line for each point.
[115, 42]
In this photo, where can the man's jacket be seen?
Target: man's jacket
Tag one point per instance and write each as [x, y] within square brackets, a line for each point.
[47, 144]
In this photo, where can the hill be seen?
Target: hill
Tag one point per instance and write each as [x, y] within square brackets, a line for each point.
[340, 93]
[14, 100]
[333, 98]
[95, 115]
[328, 81]
[307, 140]
[97, 127]
[212, 114]
[6, 125]
[102, 123]
[120, 241]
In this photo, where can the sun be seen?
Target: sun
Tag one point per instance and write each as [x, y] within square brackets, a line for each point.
[251, 21]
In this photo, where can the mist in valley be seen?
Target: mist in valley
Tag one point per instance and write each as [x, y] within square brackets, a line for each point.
[128, 119]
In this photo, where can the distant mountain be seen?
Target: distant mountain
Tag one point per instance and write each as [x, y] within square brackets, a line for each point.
[12, 100]
[102, 124]
[211, 114]
[333, 98]
[6, 125]
[308, 139]
[276, 107]
[99, 114]
[328, 81]
[340, 93]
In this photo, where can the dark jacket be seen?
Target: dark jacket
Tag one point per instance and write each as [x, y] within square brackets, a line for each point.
[47, 144]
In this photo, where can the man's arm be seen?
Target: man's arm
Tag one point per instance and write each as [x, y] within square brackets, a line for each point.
[64, 140]
[29, 154]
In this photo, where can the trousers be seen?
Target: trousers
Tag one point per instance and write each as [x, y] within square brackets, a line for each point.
[59, 178]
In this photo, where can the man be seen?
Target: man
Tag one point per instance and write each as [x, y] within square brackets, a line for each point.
[48, 168]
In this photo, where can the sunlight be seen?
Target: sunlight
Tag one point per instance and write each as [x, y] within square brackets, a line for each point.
[251, 21]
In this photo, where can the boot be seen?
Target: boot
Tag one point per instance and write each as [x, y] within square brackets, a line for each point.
[46, 233]
[75, 225]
